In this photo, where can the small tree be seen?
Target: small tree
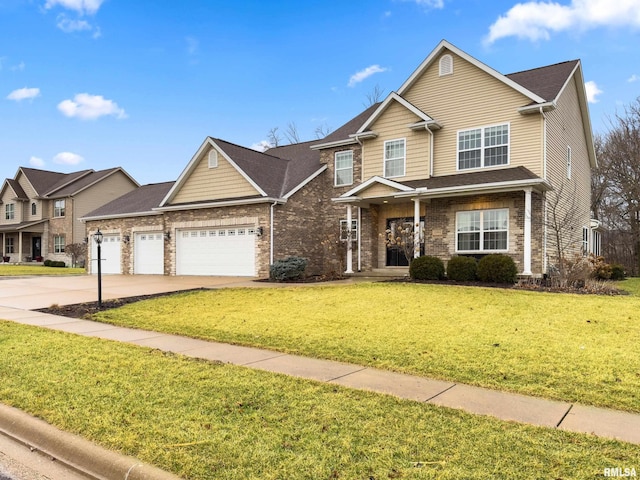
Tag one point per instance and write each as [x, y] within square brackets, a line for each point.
[402, 236]
[77, 251]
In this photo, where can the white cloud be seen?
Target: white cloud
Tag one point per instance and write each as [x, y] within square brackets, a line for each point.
[633, 78]
[24, 94]
[90, 107]
[429, 4]
[88, 7]
[68, 26]
[67, 158]
[17, 68]
[538, 20]
[592, 91]
[364, 74]
[36, 162]
[261, 146]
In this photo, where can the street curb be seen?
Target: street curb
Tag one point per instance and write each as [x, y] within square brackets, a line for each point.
[74, 451]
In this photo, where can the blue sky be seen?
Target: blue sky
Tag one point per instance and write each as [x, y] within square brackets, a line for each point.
[140, 84]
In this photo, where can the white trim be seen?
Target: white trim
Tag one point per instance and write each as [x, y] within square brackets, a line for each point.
[445, 69]
[212, 159]
[482, 231]
[304, 182]
[569, 162]
[227, 203]
[119, 215]
[404, 157]
[483, 147]
[371, 181]
[448, 46]
[335, 168]
[337, 143]
[527, 232]
[385, 104]
[514, 185]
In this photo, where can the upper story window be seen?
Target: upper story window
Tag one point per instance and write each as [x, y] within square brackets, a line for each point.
[446, 65]
[213, 159]
[482, 230]
[58, 244]
[483, 147]
[569, 162]
[58, 208]
[9, 211]
[394, 158]
[344, 168]
[34, 208]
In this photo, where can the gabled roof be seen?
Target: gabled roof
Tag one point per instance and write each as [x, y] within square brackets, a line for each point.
[274, 173]
[343, 135]
[85, 181]
[547, 82]
[394, 97]
[444, 45]
[138, 202]
[17, 189]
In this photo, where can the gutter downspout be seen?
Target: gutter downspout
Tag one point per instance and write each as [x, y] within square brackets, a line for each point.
[271, 234]
[544, 175]
[430, 152]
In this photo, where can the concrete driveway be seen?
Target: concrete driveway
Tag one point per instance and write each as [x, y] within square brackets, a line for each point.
[29, 293]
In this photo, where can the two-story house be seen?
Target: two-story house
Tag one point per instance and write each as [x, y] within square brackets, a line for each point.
[41, 209]
[467, 160]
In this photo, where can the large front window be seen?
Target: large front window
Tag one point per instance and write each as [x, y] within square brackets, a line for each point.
[58, 244]
[9, 211]
[483, 147]
[8, 245]
[58, 208]
[482, 230]
[344, 168]
[394, 156]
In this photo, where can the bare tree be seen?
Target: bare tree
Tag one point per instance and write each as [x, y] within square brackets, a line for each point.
[292, 133]
[322, 131]
[374, 96]
[274, 138]
[77, 251]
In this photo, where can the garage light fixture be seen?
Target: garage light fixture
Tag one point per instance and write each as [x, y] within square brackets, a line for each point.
[167, 236]
[259, 231]
[126, 239]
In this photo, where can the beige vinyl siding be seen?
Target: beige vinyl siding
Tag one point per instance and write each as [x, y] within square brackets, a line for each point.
[101, 193]
[9, 198]
[565, 128]
[471, 98]
[378, 190]
[218, 183]
[31, 194]
[393, 124]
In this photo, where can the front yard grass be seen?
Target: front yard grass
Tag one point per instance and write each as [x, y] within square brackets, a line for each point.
[23, 270]
[204, 420]
[576, 348]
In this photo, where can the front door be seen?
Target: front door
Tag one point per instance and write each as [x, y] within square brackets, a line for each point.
[36, 247]
[399, 240]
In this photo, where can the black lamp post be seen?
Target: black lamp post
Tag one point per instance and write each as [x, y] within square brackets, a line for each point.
[98, 239]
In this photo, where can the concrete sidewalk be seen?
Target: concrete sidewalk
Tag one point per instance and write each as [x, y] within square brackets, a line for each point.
[505, 406]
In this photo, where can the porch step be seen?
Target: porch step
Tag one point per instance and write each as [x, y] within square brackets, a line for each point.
[393, 272]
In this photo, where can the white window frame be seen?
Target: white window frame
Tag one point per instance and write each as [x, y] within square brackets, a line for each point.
[58, 245]
[585, 240]
[446, 65]
[213, 158]
[344, 154]
[59, 207]
[343, 230]
[395, 159]
[483, 147]
[568, 162]
[10, 211]
[482, 231]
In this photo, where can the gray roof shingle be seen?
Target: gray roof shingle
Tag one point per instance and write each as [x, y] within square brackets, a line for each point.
[545, 82]
[141, 200]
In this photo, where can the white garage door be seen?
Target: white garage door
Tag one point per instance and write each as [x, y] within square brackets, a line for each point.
[148, 255]
[109, 253]
[216, 251]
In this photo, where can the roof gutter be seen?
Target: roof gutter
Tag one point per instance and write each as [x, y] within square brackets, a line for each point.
[228, 203]
[424, 192]
[538, 108]
[119, 215]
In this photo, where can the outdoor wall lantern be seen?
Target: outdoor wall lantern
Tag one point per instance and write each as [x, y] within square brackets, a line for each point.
[126, 239]
[167, 236]
[259, 231]
[97, 237]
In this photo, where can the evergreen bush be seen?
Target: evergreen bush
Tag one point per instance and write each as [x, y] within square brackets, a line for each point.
[426, 268]
[462, 269]
[291, 268]
[497, 268]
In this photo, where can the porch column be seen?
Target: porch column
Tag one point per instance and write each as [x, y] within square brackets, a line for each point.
[527, 232]
[349, 242]
[20, 247]
[416, 227]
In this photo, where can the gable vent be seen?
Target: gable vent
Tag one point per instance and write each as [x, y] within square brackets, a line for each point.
[446, 65]
[213, 159]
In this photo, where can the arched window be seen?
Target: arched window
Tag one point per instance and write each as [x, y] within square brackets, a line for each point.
[34, 208]
[446, 65]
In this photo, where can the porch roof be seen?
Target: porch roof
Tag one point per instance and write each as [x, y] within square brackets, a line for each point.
[24, 227]
[489, 181]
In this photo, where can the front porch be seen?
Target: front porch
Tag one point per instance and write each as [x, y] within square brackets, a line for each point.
[24, 243]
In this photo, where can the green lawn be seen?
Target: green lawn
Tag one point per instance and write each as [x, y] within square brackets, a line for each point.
[206, 420]
[577, 348]
[22, 270]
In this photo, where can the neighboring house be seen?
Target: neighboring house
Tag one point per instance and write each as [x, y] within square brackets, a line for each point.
[41, 210]
[469, 160]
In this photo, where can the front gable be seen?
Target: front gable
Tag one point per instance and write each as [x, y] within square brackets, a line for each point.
[211, 175]
[375, 187]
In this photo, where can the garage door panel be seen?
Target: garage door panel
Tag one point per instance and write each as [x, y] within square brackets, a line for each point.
[110, 255]
[218, 251]
[148, 254]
